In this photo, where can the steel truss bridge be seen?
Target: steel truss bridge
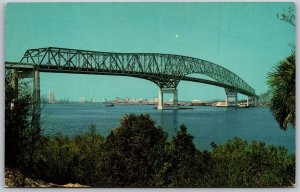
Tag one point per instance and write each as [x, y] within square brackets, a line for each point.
[165, 70]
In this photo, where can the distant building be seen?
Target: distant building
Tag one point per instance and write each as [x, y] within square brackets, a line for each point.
[199, 102]
[50, 97]
[82, 100]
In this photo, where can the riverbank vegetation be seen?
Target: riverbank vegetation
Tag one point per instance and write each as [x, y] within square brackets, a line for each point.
[282, 82]
[136, 154]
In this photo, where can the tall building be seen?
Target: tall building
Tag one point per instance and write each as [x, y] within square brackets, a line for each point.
[82, 100]
[51, 98]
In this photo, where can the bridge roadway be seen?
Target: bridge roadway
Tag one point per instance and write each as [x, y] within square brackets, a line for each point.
[165, 70]
[142, 75]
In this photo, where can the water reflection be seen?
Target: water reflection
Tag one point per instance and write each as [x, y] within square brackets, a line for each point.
[206, 124]
[168, 120]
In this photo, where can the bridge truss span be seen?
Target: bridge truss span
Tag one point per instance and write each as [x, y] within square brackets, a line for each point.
[166, 70]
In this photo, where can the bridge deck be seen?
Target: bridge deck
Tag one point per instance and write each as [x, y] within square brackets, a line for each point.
[166, 70]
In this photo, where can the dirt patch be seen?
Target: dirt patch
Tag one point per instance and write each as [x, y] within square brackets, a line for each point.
[14, 178]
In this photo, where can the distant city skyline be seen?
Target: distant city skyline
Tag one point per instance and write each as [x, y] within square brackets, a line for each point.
[50, 98]
[246, 38]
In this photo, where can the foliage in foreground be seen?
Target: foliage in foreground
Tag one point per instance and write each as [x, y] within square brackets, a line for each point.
[138, 154]
[282, 83]
[20, 138]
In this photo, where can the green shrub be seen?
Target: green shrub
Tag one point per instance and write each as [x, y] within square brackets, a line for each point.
[62, 160]
[136, 149]
[239, 164]
[138, 154]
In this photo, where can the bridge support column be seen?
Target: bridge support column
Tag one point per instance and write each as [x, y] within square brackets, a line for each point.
[35, 75]
[231, 94]
[255, 101]
[36, 114]
[15, 84]
[175, 99]
[161, 98]
[247, 101]
[15, 81]
[226, 101]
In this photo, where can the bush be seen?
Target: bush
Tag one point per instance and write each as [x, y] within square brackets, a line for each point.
[18, 133]
[138, 154]
[239, 164]
[136, 149]
[62, 160]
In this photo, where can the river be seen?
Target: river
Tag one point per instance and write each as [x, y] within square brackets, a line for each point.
[205, 123]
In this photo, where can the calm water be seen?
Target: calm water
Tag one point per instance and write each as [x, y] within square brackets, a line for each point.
[206, 124]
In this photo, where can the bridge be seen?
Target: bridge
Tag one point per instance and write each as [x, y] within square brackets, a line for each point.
[165, 70]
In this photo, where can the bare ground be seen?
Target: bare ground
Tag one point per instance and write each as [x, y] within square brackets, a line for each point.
[14, 178]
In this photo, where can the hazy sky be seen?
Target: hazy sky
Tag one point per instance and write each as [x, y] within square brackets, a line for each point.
[246, 38]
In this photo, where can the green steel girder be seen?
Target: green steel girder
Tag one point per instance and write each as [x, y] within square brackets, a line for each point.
[166, 70]
[231, 92]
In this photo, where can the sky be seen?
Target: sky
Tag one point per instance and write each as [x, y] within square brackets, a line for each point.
[246, 38]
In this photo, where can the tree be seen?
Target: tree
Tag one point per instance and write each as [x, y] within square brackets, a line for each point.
[136, 152]
[282, 82]
[17, 122]
[282, 87]
[238, 163]
[288, 16]
[21, 138]
[183, 160]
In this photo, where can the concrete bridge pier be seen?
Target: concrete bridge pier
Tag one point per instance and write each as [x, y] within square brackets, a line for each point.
[36, 98]
[231, 94]
[253, 100]
[256, 101]
[15, 85]
[36, 101]
[173, 91]
[228, 103]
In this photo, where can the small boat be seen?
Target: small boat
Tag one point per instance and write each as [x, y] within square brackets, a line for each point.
[221, 104]
[243, 105]
[109, 105]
